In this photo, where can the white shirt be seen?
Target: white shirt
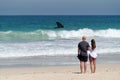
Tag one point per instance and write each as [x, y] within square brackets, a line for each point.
[93, 53]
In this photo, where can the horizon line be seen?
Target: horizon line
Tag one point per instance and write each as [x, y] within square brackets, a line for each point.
[59, 15]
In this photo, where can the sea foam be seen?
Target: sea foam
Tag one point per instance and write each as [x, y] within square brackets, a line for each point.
[56, 42]
[58, 34]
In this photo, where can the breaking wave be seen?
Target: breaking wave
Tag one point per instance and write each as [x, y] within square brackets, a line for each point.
[58, 34]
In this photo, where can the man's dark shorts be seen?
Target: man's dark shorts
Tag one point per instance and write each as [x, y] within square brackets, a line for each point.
[83, 58]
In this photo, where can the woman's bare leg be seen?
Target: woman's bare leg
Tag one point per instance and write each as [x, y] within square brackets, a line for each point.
[91, 64]
[94, 63]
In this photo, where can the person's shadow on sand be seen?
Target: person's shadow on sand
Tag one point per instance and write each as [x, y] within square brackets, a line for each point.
[77, 73]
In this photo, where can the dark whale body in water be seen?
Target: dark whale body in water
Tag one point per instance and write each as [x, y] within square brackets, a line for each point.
[59, 25]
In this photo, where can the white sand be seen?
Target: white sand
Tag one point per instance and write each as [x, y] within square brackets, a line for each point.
[104, 72]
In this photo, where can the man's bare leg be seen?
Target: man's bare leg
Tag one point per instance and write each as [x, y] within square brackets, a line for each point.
[85, 67]
[81, 66]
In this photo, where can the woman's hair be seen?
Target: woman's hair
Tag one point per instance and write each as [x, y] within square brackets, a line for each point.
[93, 44]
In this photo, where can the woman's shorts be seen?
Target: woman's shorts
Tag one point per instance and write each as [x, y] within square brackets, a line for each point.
[91, 58]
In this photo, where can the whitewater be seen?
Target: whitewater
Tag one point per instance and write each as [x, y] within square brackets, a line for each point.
[58, 34]
[52, 42]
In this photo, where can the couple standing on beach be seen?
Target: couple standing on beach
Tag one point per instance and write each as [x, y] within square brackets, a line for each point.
[83, 49]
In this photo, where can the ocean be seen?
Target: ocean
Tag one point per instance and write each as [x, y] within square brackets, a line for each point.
[33, 40]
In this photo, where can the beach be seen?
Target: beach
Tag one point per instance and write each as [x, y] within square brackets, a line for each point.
[58, 68]
[104, 72]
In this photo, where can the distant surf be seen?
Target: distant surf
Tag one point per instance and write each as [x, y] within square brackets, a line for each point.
[59, 34]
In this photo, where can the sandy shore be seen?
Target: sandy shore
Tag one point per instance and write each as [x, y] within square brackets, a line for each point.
[104, 72]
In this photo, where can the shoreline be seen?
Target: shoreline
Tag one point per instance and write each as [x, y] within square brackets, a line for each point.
[44, 61]
[104, 72]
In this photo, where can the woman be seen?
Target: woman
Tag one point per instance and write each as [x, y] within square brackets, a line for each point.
[93, 56]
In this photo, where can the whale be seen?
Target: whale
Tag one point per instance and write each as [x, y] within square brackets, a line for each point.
[59, 25]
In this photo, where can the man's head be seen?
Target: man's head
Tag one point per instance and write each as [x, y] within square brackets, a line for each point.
[84, 38]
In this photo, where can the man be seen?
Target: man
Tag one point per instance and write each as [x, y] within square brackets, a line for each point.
[83, 46]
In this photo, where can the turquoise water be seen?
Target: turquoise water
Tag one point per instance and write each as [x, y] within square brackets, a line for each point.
[35, 28]
[32, 23]
[22, 36]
